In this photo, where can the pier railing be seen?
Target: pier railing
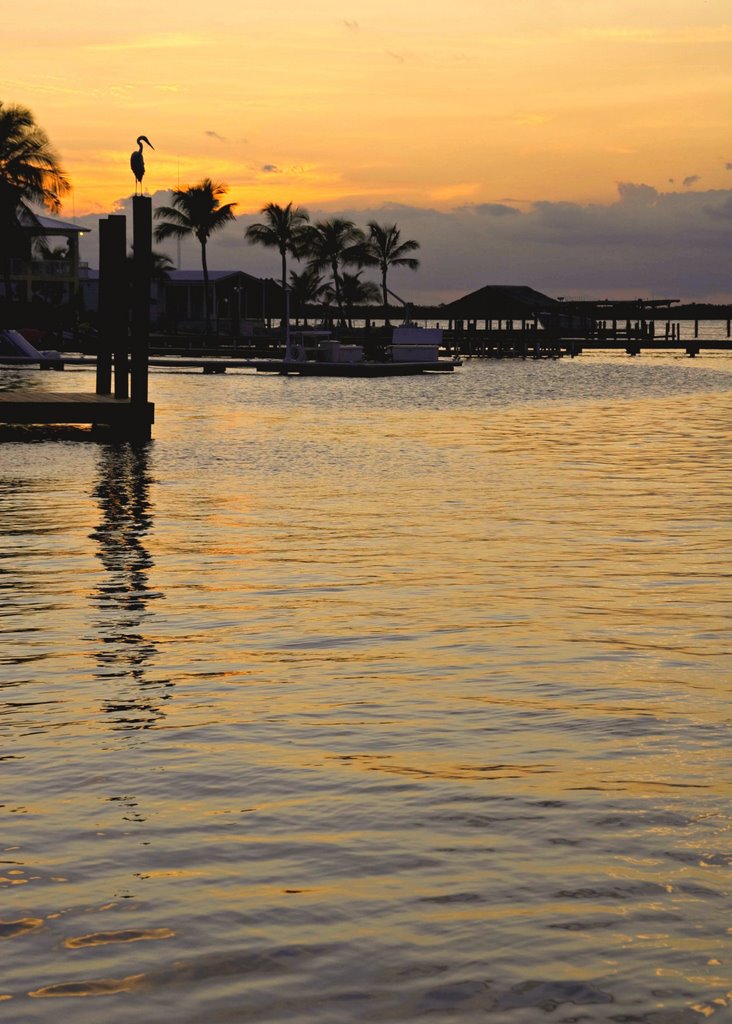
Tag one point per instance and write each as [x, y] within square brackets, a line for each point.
[520, 339]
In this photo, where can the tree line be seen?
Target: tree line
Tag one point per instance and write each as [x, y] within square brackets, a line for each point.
[326, 247]
[31, 174]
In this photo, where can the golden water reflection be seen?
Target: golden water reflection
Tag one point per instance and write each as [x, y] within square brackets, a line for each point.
[451, 713]
[125, 650]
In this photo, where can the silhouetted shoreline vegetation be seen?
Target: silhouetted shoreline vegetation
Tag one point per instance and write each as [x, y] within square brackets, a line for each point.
[332, 245]
[333, 255]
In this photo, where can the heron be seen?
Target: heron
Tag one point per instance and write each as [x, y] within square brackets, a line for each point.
[137, 163]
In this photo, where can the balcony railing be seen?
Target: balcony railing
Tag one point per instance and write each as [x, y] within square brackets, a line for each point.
[46, 270]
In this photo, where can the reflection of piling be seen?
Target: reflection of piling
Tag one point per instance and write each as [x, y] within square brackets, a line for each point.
[133, 692]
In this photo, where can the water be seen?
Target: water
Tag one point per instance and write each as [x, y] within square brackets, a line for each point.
[353, 701]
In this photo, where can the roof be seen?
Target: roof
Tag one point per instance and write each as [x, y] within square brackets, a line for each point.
[183, 277]
[499, 301]
[51, 225]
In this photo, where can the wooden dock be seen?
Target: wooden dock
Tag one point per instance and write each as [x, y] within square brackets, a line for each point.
[311, 368]
[635, 346]
[540, 344]
[120, 402]
[31, 405]
[220, 364]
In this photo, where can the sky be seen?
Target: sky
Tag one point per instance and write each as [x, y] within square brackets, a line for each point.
[515, 142]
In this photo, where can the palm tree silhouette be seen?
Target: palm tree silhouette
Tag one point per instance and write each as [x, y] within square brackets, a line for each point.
[160, 265]
[29, 173]
[355, 292]
[281, 229]
[306, 289]
[385, 249]
[331, 245]
[196, 210]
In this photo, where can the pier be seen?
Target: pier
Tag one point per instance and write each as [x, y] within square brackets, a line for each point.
[518, 323]
[530, 341]
[120, 401]
[31, 406]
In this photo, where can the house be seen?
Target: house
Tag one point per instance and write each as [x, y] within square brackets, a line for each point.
[236, 297]
[40, 276]
[176, 299]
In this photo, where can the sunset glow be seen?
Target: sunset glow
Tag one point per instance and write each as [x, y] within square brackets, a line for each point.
[431, 104]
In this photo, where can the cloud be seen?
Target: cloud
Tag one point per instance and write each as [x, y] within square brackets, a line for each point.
[271, 169]
[672, 244]
[689, 180]
[637, 195]
[646, 242]
[724, 209]
[492, 209]
[215, 135]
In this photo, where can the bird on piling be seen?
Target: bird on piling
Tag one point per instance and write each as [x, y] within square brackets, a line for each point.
[137, 163]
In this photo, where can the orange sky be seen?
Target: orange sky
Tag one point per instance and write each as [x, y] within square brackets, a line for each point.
[430, 103]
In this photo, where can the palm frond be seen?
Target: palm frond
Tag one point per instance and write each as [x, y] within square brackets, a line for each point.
[28, 162]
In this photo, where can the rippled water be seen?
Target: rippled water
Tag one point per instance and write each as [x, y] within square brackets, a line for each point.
[351, 701]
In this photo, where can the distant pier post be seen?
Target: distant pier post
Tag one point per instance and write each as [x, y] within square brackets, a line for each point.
[141, 274]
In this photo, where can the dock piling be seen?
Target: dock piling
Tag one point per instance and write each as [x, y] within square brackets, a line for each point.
[122, 417]
[113, 304]
[141, 273]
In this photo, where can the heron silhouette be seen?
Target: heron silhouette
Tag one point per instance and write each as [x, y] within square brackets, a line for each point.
[137, 163]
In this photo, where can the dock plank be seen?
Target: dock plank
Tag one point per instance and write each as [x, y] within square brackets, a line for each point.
[28, 406]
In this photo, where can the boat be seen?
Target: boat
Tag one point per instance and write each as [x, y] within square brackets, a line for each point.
[412, 350]
[16, 349]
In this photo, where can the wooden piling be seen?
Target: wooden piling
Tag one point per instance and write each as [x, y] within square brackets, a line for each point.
[125, 417]
[107, 240]
[113, 305]
[141, 274]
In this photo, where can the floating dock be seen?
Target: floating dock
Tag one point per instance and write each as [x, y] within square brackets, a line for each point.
[311, 368]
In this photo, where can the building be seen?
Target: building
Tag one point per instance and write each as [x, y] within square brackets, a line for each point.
[40, 275]
[236, 298]
[497, 302]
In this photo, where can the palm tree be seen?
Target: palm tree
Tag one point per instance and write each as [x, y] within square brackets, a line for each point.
[196, 210]
[355, 292]
[385, 249]
[56, 255]
[331, 245]
[306, 288]
[282, 229]
[29, 173]
[160, 265]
